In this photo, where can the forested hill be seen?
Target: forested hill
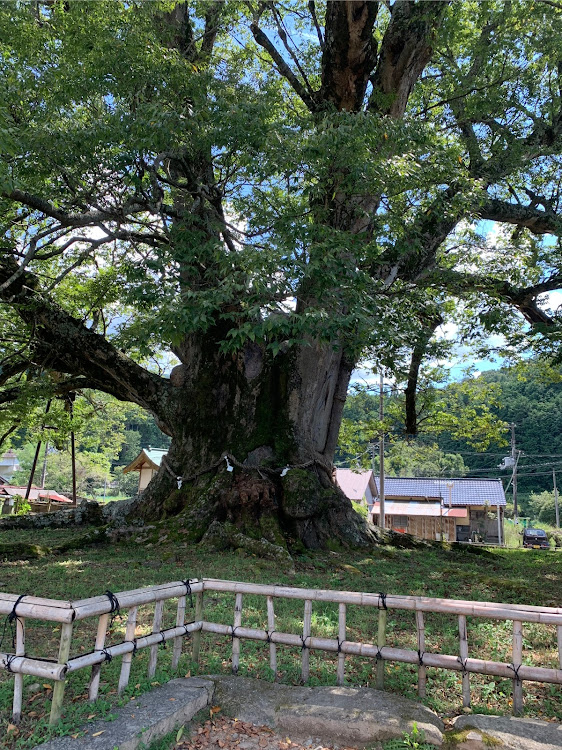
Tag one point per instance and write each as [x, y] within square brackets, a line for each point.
[531, 399]
[530, 396]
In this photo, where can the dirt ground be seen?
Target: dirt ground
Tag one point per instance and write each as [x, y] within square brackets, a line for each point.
[223, 733]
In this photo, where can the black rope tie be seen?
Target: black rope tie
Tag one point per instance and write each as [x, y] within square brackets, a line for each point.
[379, 655]
[340, 644]
[462, 662]
[420, 657]
[8, 662]
[135, 646]
[233, 631]
[515, 670]
[269, 634]
[163, 637]
[106, 654]
[9, 622]
[115, 610]
[188, 592]
[382, 600]
[303, 640]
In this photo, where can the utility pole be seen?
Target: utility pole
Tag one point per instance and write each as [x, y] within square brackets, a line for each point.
[556, 499]
[514, 475]
[381, 455]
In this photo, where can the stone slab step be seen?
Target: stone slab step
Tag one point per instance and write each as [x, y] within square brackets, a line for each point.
[333, 715]
[148, 718]
[507, 732]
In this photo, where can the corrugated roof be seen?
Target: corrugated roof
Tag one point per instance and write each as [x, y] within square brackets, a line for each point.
[354, 484]
[459, 491]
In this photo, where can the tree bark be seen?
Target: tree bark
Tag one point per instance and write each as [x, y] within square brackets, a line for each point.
[265, 414]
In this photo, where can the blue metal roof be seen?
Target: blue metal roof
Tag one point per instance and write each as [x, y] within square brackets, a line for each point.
[458, 491]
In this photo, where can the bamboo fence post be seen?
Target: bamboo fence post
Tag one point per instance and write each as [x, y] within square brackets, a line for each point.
[197, 635]
[127, 658]
[58, 690]
[178, 642]
[156, 628]
[270, 630]
[559, 639]
[463, 651]
[517, 659]
[341, 638]
[381, 641]
[18, 677]
[422, 676]
[306, 631]
[235, 640]
[96, 669]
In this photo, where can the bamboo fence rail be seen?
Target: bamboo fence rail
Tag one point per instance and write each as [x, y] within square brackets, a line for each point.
[18, 609]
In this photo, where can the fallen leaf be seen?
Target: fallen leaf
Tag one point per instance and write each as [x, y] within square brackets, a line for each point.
[171, 699]
[97, 734]
[214, 710]
[13, 728]
[47, 687]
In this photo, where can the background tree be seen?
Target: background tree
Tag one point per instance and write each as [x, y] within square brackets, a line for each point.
[268, 191]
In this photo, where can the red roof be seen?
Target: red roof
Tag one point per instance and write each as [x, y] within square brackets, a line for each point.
[353, 483]
[35, 493]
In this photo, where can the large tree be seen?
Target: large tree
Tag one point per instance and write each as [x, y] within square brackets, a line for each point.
[266, 191]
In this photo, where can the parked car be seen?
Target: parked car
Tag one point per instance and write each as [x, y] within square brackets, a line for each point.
[535, 539]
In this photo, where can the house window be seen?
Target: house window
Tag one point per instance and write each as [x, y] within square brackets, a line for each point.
[400, 521]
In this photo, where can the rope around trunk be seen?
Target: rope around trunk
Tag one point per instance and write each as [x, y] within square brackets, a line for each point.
[232, 461]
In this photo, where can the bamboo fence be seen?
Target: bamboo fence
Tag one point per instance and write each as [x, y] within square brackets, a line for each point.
[19, 609]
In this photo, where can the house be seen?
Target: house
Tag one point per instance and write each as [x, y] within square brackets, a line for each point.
[9, 464]
[147, 464]
[359, 486]
[452, 509]
[41, 501]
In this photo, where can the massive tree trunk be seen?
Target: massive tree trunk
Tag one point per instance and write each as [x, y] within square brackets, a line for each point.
[275, 421]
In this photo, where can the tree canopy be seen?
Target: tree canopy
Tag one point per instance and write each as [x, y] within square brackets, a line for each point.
[236, 186]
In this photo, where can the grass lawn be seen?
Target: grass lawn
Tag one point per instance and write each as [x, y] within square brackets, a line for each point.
[517, 576]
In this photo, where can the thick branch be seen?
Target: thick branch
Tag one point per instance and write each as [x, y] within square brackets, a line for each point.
[405, 51]
[76, 350]
[212, 17]
[538, 221]
[349, 54]
[67, 219]
[284, 69]
[427, 330]
[523, 299]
